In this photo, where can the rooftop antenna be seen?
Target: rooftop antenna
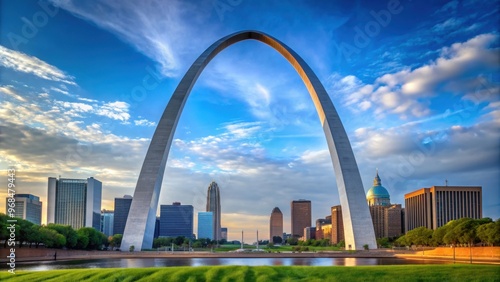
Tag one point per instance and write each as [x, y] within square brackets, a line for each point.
[446, 182]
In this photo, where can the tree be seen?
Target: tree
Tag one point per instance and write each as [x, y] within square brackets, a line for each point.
[115, 240]
[489, 233]
[438, 234]
[82, 240]
[401, 241]
[292, 241]
[68, 232]
[4, 232]
[341, 244]
[34, 235]
[179, 240]
[419, 236]
[456, 230]
[383, 242]
[162, 242]
[466, 231]
[50, 238]
[95, 239]
[22, 229]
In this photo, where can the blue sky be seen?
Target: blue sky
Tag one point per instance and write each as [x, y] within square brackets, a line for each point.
[416, 84]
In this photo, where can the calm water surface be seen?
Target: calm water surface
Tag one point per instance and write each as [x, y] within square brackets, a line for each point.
[166, 262]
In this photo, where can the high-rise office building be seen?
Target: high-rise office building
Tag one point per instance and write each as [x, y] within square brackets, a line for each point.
[28, 207]
[434, 207]
[301, 216]
[206, 225]
[74, 202]
[122, 207]
[176, 220]
[223, 233]
[394, 221]
[213, 205]
[337, 231]
[107, 218]
[276, 224]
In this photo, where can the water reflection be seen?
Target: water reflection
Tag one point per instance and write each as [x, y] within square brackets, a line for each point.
[166, 262]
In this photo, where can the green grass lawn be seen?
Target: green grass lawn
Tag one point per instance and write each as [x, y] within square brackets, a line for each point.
[268, 273]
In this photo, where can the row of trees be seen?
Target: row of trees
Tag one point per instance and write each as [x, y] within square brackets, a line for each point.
[181, 241]
[52, 235]
[464, 231]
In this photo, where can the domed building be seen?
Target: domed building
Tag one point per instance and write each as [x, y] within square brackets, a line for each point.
[387, 218]
[378, 195]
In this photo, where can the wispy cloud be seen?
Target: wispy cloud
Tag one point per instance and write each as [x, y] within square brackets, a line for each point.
[60, 91]
[144, 122]
[158, 29]
[449, 24]
[114, 110]
[28, 64]
[455, 71]
[7, 89]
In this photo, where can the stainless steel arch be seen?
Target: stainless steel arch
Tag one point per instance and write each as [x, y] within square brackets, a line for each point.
[358, 226]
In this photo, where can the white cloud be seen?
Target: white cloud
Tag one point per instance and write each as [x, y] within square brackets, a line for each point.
[8, 89]
[28, 64]
[87, 100]
[449, 24]
[407, 93]
[114, 110]
[117, 110]
[60, 91]
[77, 107]
[157, 29]
[144, 122]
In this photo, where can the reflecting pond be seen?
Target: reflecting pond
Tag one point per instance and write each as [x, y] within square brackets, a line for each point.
[166, 262]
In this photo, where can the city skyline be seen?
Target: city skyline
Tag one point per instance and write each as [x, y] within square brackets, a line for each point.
[419, 100]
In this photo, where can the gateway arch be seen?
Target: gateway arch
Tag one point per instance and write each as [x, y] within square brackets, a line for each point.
[358, 226]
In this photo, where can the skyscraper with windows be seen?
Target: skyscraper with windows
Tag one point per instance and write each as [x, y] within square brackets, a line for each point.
[434, 207]
[223, 233]
[276, 224]
[28, 207]
[213, 205]
[337, 233]
[206, 225]
[301, 216]
[122, 207]
[74, 202]
[107, 218]
[176, 220]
